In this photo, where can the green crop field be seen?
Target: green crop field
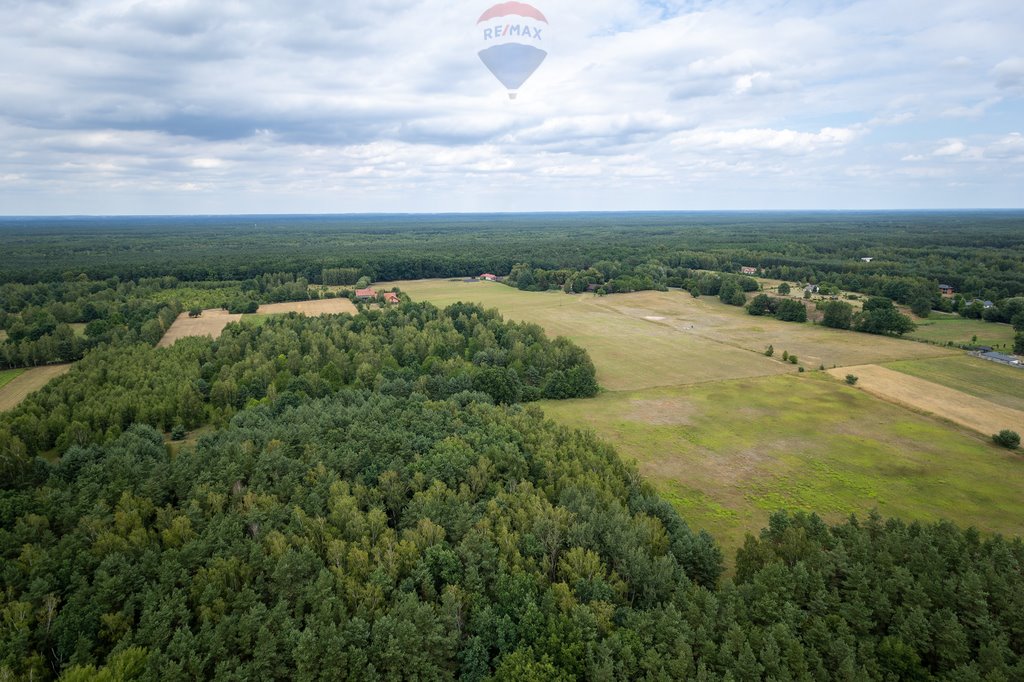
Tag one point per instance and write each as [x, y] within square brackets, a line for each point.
[943, 329]
[729, 453]
[8, 375]
[998, 383]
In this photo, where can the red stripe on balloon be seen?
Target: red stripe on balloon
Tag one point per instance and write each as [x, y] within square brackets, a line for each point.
[518, 8]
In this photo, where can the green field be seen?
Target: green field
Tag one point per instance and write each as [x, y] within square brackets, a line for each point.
[728, 454]
[730, 435]
[954, 329]
[989, 380]
[652, 338]
[8, 375]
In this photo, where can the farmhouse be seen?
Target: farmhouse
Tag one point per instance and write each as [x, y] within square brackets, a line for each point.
[748, 271]
[985, 304]
[391, 298]
[867, 260]
[488, 277]
[366, 294]
[811, 289]
[946, 290]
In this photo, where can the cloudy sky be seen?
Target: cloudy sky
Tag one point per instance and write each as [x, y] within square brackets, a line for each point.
[194, 106]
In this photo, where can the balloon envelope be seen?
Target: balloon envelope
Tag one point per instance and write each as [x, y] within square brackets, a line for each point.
[512, 63]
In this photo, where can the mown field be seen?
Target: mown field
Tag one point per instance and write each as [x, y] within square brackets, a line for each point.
[23, 382]
[651, 338]
[730, 435]
[989, 380]
[942, 329]
[729, 453]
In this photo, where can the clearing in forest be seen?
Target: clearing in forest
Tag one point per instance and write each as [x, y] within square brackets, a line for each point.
[324, 306]
[984, 416]
[211, 323]
[21, 383]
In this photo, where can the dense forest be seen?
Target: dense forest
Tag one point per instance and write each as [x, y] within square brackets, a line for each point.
[463, 350]
[372, 537]
[979, 253]
[37, 318]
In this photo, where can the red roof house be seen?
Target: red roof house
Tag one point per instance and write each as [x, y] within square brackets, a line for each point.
[489, 277]
[366, 294]
[391, 298]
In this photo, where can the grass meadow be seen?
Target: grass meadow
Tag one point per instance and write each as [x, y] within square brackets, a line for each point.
[652, 339]
[729, 435]
[942, 329]
[728, 454]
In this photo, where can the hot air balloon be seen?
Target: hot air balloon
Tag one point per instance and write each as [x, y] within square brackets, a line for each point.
[513, 36]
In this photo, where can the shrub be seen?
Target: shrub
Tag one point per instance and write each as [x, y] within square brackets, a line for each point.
[785, 356]
[762, 304]
[1007, 439]
[791, 311]
[838, 315]
[178, 432]
[770, 351]
[793, 359]
[802, 370]
[784, 289]
[852, 379]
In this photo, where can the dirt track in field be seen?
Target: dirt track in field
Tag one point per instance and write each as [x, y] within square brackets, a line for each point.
[975, 413]
[31, 381]
[211, 324]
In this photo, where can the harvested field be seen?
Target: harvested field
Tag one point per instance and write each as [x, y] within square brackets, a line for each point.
[326, 306]
[961, 408]
[211, 324]
[26, 382]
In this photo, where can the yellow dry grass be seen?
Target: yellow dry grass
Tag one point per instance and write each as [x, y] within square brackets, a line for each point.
[975, 413]
[326, 306]
[30, 381]
[211, 323]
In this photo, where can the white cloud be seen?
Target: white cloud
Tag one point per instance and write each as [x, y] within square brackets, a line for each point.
[113, 104]
[951, 148]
